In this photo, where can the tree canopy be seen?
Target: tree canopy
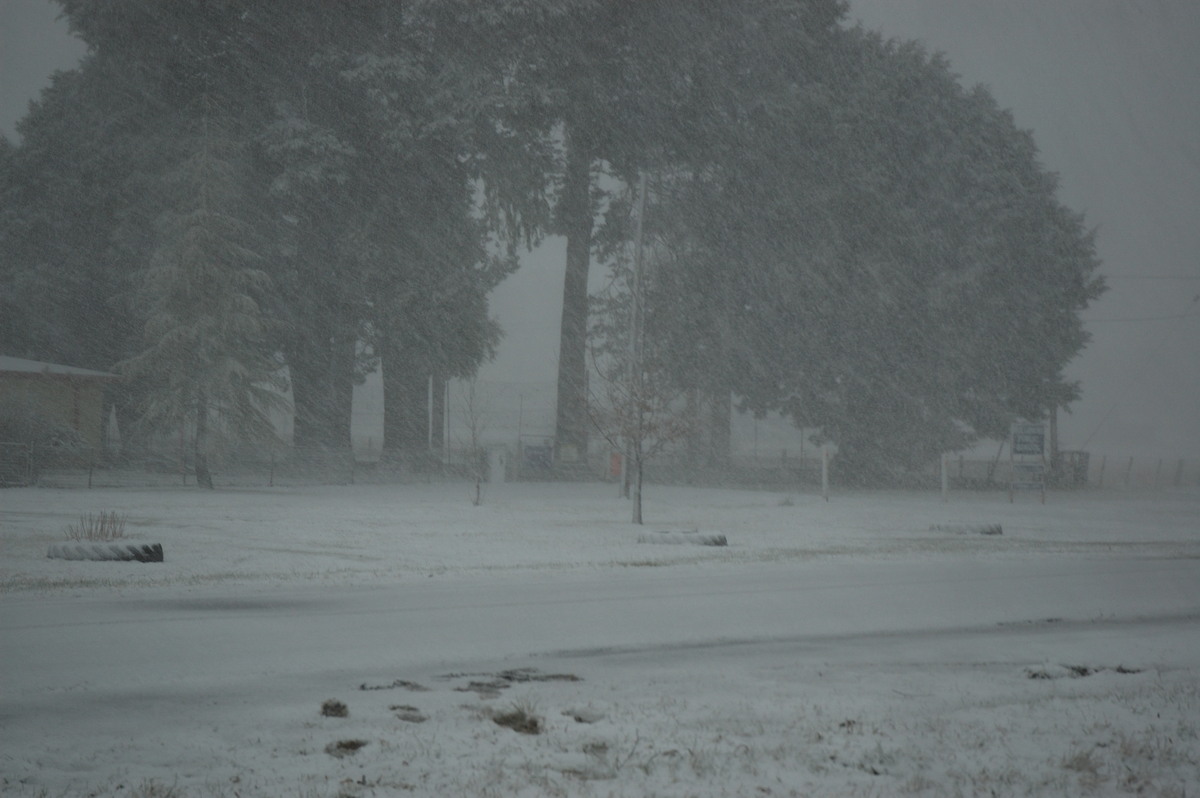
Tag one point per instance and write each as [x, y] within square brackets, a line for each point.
[359, 132]
[838, 230]
[883, 260]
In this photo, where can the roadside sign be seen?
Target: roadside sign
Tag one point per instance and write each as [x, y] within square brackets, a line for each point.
[1029, 439]
[1027, 461]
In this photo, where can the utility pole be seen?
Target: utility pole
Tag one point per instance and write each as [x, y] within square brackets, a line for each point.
[635, 348]
[1055, 475]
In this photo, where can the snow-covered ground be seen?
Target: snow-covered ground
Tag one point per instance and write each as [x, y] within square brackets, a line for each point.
[873, 645]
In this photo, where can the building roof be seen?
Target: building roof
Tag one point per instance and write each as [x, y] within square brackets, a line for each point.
[36, 368]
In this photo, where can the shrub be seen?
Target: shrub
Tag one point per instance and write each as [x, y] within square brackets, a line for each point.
[102, 526]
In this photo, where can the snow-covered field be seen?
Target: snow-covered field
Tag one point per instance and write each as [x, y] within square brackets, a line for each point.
[874, 645]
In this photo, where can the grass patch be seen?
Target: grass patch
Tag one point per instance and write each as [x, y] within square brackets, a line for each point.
[522, 717]
[505, 679]
[406, 684]
[408, 713]
[332, 708]
[534, 675]
[99, 526]
[154, 789]
[344, 748]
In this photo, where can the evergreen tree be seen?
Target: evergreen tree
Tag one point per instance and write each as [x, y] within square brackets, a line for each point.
[77, 222]
[58, 225]
[208, 356]
[358, 124]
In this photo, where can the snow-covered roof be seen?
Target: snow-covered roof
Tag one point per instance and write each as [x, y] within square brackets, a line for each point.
[18, 365]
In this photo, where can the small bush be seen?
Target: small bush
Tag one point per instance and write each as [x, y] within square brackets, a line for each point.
[103, 526]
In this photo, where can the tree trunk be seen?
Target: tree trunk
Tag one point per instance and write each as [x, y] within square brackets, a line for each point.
[321, 367]
[405, 407]
[719, 436]
[575, 211]
[341, 388]
[437, 418]
[308, 428]
[200, 444]
[637, 489]
[133, 437]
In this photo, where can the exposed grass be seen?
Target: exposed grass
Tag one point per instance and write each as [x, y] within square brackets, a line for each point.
[155, 789]
[332, 708]
[99, 526]
[343, 748]
[408, 713]
[520, 717]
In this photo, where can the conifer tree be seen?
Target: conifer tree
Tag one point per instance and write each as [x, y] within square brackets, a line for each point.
[207, 361]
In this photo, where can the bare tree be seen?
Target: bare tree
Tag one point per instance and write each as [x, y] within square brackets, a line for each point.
[474, 413]
[641, 413]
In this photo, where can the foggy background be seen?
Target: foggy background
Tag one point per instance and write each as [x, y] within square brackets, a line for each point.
[1109, 89]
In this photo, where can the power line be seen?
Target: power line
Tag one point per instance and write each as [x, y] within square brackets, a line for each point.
[1151, 276]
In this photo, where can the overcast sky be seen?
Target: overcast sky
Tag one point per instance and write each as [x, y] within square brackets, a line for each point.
[1110, 90]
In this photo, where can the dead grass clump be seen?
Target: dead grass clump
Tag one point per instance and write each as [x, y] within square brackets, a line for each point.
[154, 789]
[344, 747]
[101, 526]
[405, 683]
[408, 713]
[1087, 765]
[534, 675]
[520, 718]
[332, 708]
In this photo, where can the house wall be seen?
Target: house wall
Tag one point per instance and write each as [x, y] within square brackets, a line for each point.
[73, 402]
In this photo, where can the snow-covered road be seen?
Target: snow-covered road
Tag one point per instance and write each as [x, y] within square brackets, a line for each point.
[243, 635]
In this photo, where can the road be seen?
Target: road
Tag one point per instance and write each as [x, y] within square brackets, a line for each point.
[54, 646]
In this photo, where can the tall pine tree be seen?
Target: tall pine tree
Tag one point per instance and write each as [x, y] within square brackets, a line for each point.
[208, 360]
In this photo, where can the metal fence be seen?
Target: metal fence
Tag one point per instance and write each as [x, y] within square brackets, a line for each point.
[533, 461]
